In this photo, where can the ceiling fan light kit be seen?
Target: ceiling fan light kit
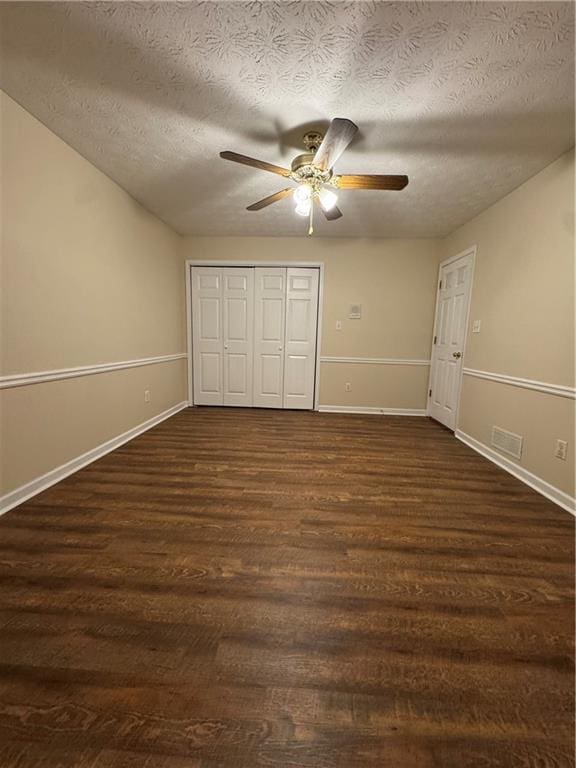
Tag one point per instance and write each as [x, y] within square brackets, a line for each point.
[328, 199]
[314, 175]
[303, 208]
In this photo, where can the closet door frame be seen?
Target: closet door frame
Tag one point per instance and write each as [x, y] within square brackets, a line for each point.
[319, 265]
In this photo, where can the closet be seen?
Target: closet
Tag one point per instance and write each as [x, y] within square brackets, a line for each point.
[254, 336]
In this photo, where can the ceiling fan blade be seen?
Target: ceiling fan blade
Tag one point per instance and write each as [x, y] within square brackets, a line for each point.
[366, 181]
[333, 213]
[253, 163]
[270, 199]
[339, 134]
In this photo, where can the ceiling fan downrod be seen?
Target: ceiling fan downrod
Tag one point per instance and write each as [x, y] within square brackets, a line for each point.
[312, 141]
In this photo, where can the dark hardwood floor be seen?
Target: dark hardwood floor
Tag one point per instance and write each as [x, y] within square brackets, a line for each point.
[267, 589]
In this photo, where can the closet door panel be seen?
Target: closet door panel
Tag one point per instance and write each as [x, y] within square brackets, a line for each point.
[300, 337]
[271, 370]
[207, 337]
[269, 324]
[210, 378]
[237, 374]
[238, 305]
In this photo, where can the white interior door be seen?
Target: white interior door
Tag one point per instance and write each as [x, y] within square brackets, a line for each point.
[455, 282]
[207, 338]
[300, 337]
[269, 327]
[238, 334]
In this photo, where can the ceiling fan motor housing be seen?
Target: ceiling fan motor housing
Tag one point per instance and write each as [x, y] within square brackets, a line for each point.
[302, 160]
[303, 168]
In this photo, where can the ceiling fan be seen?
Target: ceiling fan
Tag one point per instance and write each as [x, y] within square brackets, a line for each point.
[313, 173]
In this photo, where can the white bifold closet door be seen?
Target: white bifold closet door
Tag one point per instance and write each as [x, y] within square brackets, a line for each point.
[269, 331]
[301, 330]
[207, 337]
[238, 307]
[222, 335]
[254, 336]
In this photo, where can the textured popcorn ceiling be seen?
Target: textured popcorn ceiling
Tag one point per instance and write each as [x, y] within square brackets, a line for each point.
[468, 98]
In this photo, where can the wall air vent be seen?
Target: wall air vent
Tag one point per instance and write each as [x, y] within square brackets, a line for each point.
[507, 442]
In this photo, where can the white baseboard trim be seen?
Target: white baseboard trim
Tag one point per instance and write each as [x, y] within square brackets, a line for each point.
[377, 411]
[559, 497]
[25, 492]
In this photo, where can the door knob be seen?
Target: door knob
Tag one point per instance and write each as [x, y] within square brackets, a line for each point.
[225, 346]
[456, 355]
[279, 349]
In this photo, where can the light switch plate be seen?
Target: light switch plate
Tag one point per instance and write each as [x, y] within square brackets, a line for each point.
[338, 325]
[476, 326]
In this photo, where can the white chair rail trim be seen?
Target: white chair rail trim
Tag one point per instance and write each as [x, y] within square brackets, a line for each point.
[374, 360]
[560, 390]
[24, 379]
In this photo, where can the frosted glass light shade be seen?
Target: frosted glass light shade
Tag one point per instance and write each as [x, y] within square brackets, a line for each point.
[303, 208]
[302, 193]
[328, 199]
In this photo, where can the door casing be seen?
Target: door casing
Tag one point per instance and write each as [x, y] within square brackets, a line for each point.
[471, 251]
[252, 263]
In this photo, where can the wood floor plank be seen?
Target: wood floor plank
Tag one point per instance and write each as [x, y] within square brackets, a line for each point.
[274, 589]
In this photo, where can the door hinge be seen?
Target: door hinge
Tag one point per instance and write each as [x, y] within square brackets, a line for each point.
[440, 286]
[435, 337]
[429, 393]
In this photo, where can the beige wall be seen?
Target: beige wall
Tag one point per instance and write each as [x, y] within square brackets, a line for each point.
[524, 295]
[390, 387]
[394, 280]
[46, 425]
[87, 277]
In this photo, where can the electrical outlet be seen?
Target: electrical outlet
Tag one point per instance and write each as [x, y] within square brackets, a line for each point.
[561, 449]
[476, 326]
[338, 325]
[348, 386]
[147, 396]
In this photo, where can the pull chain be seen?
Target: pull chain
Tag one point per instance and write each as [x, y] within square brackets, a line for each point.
[311, 227]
